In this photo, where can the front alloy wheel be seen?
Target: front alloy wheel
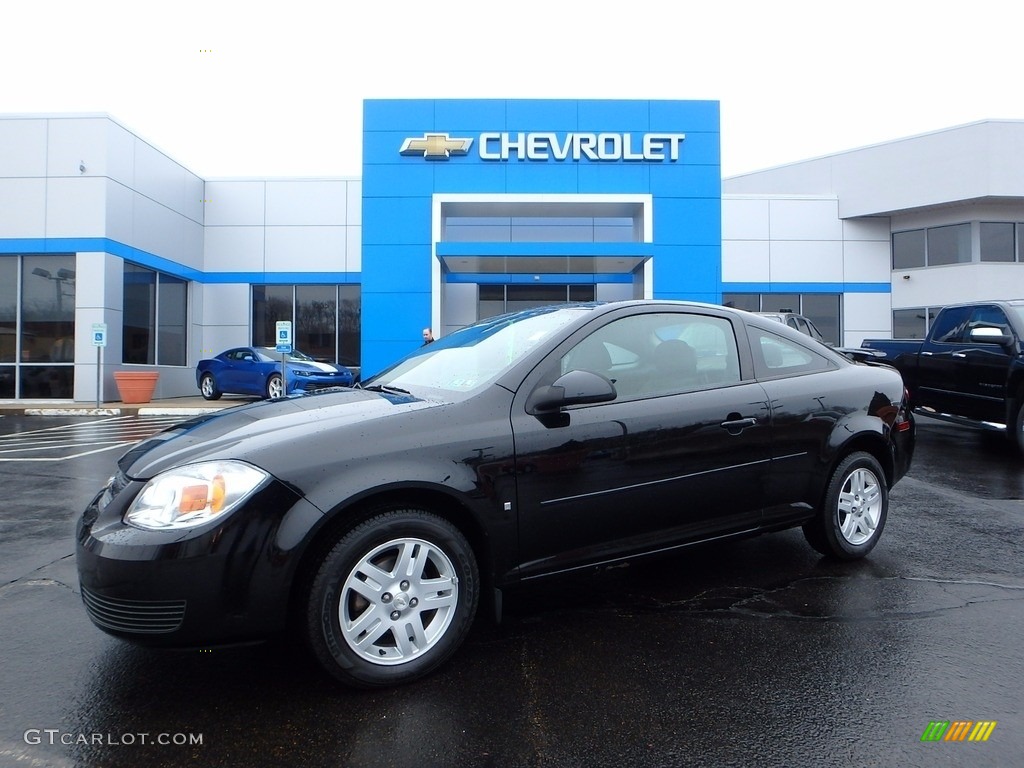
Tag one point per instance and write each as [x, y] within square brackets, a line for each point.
[393, 599]
[851, 520]
[275, 388]
[208, 388]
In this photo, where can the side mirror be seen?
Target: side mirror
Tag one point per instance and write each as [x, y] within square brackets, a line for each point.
[986, 334]
[572, 388]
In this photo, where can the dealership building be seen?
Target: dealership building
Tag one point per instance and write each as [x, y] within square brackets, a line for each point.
[114, 256]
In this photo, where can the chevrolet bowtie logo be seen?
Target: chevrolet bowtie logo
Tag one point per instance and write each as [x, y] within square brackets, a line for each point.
[435, 146]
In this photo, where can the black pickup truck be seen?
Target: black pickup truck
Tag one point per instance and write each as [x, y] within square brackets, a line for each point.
[970, 367]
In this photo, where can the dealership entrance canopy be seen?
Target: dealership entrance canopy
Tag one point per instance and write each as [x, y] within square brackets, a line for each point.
[475, 207]
[470, 208]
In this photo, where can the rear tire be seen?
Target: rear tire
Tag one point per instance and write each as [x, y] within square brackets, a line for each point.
[1018, 425]
[851, 520]
[392, 600]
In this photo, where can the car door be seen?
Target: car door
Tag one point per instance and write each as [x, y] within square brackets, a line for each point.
[681, 453]
[937, 362]
[981, 369]
[240, 372]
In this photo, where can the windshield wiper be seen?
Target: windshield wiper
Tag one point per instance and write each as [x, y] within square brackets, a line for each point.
[386, 388]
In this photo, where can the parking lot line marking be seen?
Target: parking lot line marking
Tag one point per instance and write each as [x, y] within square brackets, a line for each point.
[69, 441]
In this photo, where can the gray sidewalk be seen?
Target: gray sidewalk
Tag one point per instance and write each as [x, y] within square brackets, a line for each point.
[185, 406]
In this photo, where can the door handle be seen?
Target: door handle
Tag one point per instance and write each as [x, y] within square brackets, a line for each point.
[738, 424]
[959, 354]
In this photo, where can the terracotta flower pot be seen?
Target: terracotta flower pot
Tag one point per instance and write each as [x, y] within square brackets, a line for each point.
[136, 386]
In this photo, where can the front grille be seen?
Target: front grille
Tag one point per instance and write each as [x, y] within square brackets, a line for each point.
[139, 616]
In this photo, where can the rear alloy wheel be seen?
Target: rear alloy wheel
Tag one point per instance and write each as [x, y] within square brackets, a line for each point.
[393, 599]
[275, 388]
[208, 388]
[851, 520]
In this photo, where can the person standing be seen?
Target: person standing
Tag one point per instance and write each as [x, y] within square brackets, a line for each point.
[428, 336]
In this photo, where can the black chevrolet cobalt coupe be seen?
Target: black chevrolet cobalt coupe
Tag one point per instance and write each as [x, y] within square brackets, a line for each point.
[373, 520]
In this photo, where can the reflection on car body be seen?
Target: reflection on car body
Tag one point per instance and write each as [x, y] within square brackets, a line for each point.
[523, 446]
[257, 371]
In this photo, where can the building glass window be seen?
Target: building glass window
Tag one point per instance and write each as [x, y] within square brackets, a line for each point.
[822, 309]
[908, 249]
[139, 315]
[913, 323]
[539, 229]
[326, 319]
[316, 320]
[997, 241]
[8, 315]
[155, 327]
[949, 245]
[494, 300]
[47, 327]
[37, 326]
[172, 321]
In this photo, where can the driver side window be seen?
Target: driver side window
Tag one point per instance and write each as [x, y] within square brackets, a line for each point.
[659, 354]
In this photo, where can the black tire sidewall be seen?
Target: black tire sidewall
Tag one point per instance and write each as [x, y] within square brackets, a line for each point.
[829, 533]
[323, 627]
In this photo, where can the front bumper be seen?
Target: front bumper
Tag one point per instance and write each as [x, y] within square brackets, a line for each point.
[228, 581]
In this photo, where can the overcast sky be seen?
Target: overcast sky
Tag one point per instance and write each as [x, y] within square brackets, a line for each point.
[255, 88]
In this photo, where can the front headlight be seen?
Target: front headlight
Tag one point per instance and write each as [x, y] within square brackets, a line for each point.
[193, 495]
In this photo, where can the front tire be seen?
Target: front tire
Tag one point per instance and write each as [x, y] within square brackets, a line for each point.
[275, 388]
[851, 520]
[208, 387]
[392, 600]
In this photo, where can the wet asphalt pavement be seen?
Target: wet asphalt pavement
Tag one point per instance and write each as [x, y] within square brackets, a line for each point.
[751, 653]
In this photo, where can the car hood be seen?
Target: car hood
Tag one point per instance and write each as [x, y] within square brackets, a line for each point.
[312, 365]
[249, 432]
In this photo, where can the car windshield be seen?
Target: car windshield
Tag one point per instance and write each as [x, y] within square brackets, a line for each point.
[271, 355]
[472, 357]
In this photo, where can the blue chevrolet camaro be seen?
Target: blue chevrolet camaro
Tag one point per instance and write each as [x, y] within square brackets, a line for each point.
[257, 371]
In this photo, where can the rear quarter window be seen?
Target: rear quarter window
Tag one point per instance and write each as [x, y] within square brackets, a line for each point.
[777, 356]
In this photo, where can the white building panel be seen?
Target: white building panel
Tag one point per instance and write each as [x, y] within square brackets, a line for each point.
[805, 219]
[225, 304]
[866, 315]
[866, 261]
[746, 261]
[74, 144]
[234, 249]
[157, 230]
[321, 202]
[22, 148]
[309, 249]
[119, 212]
[745, 218]
[354, 249]
[937, 286]
[875, 229]
[76, 207]
[192, 244]
[22, 207]
[158, 177]
[235, 203]
[194, 191]
[806, 261]
[354, 201]
[120, 164]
